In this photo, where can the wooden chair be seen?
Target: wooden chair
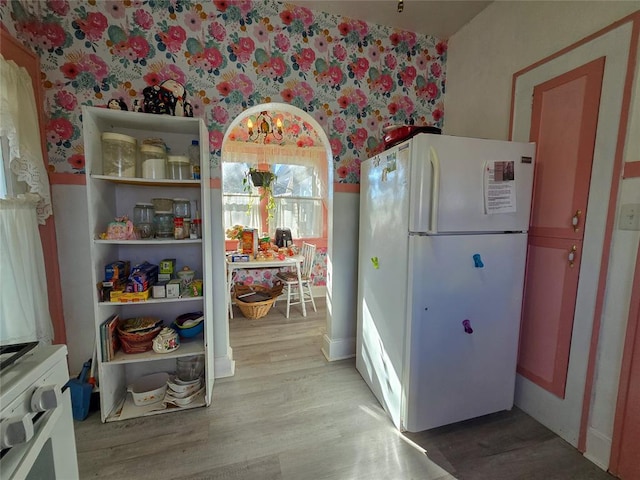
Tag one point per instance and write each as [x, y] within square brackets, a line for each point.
[290, 279]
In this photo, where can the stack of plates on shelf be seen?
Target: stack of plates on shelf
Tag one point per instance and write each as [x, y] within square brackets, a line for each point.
[181, 392]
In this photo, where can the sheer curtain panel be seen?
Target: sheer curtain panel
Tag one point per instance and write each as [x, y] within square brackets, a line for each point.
[24, 304]
[24, 307]
[19, 124]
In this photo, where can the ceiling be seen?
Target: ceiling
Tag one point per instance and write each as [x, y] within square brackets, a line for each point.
[438, 18]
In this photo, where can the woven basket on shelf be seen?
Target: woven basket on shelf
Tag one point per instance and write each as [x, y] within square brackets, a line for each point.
[136, 334]
[255, 310]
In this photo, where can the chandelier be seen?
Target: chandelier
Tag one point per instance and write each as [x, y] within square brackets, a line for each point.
[264, 130]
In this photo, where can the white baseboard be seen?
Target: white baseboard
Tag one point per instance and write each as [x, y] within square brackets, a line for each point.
[598, 448]
[338, 349]
[319, 291]
[224, 366]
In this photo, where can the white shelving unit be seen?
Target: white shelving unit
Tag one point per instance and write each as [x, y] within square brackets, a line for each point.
[110, 197]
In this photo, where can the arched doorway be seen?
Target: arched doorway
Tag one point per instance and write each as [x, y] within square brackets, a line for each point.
[323, 140]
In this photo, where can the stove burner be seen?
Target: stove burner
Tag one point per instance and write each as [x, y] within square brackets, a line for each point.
[10, 353]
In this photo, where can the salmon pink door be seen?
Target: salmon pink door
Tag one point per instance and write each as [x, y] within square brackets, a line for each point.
[563, 125]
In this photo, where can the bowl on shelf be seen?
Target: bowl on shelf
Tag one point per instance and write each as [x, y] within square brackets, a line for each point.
[189, 325]
[182, 401]
[166, 341]
[149, 389]
[180, 389]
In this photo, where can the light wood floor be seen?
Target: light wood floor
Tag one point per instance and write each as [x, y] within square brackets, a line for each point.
[289, 414]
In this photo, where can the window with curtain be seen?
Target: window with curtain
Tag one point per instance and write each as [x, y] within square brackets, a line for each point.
[24, 203]
[299, 191]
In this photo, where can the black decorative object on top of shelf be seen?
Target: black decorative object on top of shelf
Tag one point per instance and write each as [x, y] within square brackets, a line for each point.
[168, 98]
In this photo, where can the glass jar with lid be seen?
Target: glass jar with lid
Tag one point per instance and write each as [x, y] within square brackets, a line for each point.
[179, 167]
[118, 155]
[153, 162]
[182, 210]
[182, 207]
[143, 214]
[163, 224]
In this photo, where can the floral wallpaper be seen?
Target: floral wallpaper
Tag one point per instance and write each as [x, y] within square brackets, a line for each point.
[354, 78]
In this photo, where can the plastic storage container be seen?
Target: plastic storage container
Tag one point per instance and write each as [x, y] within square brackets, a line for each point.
[153, 162]
[163, 224]
[162, 204]
[194, 158]
[179, 167]
[143, 214]
[118, 155]
[189, 368]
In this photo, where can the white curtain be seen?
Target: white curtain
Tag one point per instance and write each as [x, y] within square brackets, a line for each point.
[24, 308]
[277, 154]
[19, 124]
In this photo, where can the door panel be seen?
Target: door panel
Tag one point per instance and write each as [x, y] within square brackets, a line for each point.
[563, 125]
[558, 139]
[565, 112]
[550, 292]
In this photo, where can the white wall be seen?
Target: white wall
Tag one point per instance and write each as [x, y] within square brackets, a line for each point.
[72, 234]
[342, 278]
[503, 39]
[483, 56]
[624, 248]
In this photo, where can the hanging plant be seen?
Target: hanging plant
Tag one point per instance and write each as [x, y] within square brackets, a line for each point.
[262, 179]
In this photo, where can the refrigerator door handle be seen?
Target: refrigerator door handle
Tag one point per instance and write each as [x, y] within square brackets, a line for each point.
[435, 190]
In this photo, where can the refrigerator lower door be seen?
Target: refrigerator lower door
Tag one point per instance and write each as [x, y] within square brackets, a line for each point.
[465, 303]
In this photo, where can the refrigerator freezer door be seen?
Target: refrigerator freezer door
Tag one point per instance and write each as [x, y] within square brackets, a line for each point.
[465, 308]
[463, 184]
[382, 277]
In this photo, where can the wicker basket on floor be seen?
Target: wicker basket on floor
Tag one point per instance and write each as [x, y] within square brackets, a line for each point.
[255, 310]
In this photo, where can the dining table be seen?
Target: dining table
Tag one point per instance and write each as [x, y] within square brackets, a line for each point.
[294, 261]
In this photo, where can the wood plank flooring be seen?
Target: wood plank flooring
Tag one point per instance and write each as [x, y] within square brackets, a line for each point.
[288, 414]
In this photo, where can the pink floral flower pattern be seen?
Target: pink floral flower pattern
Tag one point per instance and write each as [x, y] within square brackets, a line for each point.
[352, 77]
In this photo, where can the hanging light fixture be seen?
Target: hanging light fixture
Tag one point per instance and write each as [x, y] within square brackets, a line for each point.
[264, 128]
[400, 6]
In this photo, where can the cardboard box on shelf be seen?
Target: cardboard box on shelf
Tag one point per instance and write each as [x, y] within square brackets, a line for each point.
[173, 288]
[121, 296]
[117, 271]
[168, 266]
[142, 277]
[159, 290]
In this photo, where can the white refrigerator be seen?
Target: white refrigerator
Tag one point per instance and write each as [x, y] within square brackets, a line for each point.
[442, 248]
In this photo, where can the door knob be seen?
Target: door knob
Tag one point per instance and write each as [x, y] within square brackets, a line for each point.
[572, 255]
[575, 220]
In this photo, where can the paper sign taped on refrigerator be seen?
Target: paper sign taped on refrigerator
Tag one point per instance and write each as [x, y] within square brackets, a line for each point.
[499, 187]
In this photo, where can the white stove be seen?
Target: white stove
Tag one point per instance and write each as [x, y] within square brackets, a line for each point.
[36, 425]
